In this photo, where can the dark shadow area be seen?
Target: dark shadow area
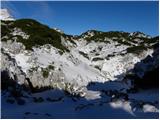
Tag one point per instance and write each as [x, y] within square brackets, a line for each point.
[150, 64]
[10, 85]
[149, 80]
[12, 90]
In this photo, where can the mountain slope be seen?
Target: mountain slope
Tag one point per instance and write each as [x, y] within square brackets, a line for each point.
[41, 58]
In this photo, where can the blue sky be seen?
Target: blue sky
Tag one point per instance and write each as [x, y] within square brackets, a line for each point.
[77, 17]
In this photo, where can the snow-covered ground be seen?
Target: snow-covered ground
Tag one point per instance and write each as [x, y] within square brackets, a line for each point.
[64, 106]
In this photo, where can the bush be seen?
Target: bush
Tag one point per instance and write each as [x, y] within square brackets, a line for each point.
[45, 73]
[97, 59]
[4, 30]
[51, 67]
[84, 54]
[100, 36]
[136, 49]
[97, 67]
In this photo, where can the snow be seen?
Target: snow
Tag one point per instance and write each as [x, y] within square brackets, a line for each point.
[89, 33]
[118, 65]
[22, 61]
[79, 108]
[123, 105]
[150, 108]
[91, 95]
[139, 34]
[5, 15]
[147, 95]
[58, 30]
[18, 31]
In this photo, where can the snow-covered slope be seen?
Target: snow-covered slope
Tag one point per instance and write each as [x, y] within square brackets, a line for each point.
[39, 57]
[5, 15]
[55, 104]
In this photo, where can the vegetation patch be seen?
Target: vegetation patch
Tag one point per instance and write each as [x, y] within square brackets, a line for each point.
[119, 36]
[152, 40]
[136, 49]
[84, 54]
[51, 67]
[97, 67]
[100, 36]
[33, 69]
[39, 34]
[97, 59]
[45, 71]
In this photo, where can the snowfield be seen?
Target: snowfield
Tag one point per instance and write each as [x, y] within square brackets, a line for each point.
[69, 107]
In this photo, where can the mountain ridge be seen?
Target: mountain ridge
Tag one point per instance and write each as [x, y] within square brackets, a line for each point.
[25, 30]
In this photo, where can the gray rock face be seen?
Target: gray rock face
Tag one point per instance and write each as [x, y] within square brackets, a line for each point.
[9, 64]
